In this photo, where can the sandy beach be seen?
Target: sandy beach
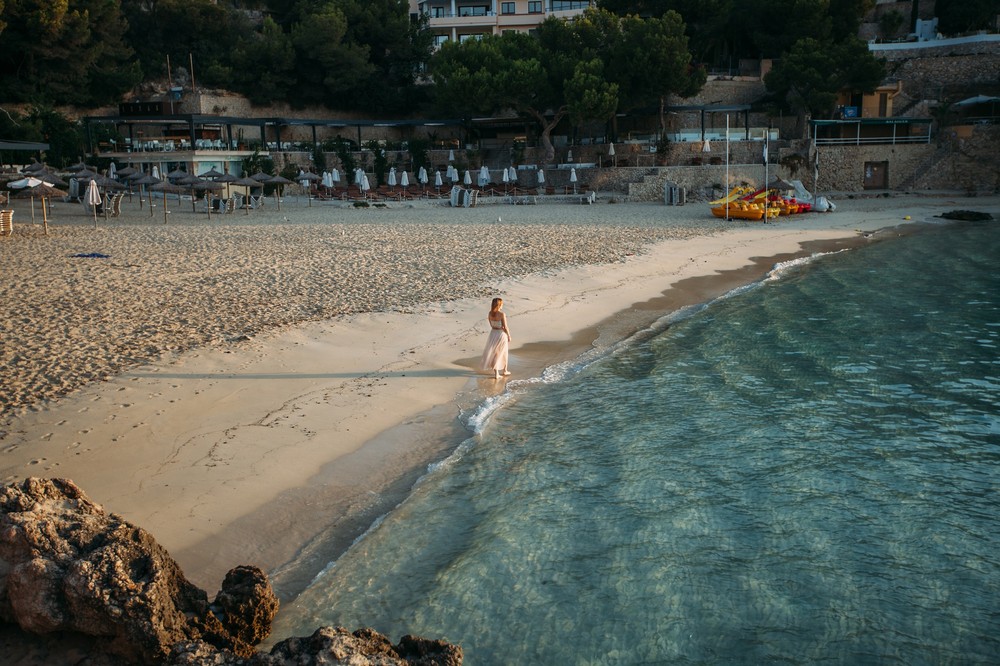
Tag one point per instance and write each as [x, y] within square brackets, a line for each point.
[258, 388]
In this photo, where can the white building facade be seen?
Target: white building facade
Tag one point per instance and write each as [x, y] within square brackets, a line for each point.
[458, 20]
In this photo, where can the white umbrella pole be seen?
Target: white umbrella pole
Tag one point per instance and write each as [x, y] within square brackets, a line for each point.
[727, 166]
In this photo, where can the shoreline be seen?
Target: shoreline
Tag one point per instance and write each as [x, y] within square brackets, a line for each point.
[279, 448]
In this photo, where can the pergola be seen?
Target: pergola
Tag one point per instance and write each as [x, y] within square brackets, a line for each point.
[711, 108]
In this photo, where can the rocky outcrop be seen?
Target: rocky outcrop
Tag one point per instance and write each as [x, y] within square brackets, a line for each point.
[365, 647]
[69, 568]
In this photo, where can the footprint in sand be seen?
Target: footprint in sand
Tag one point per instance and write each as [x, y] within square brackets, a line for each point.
[63, 422]
[37, 461]
[46, 437]
[10, 449]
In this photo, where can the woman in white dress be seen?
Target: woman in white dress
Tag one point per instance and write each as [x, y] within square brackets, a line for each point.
[498, 344]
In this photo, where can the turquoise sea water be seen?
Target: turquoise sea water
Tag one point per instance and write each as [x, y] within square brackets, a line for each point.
[804, 471]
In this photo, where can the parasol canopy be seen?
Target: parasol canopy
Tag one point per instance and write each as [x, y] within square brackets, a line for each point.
[42, 191]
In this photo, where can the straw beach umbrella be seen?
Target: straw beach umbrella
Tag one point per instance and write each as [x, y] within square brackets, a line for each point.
[41, 192]
[52, 179]
[278, 181]
[307, 178]
[207, 186]
[165, 187]
[146, 180]
[247, 183]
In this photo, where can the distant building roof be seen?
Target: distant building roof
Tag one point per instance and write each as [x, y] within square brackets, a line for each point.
[30, 146]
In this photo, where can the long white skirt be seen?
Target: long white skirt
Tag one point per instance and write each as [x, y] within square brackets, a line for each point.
[495, 354]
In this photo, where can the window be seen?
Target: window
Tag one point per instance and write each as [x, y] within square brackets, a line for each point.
[535, 7]
[566, 5]
[472, 11]
[507, 8]
[437, 12]
[439, 40]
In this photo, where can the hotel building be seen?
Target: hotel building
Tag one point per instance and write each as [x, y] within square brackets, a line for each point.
[472, 19]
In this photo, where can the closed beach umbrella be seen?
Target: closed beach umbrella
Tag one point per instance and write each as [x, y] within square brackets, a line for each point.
[93, 198]
[506, 179]
[112, 170]
[437, 180]
[365, 185]
[611, 152]
[706, 147]
[572, 178]
[467, 179]
[404, 180]
[155, 172]
[512, 175]
[392, 177]
[422, 175]
[484, 175]
[335, 176]
[541, 177]
[451, 155]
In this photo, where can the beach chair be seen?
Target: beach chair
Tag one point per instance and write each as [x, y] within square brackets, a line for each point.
[256, 201]
[6, 222]
[115, 207]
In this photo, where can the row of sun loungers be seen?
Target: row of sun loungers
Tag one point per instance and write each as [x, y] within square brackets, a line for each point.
[387, 193]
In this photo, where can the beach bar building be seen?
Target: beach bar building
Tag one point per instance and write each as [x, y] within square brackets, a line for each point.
[197, 143]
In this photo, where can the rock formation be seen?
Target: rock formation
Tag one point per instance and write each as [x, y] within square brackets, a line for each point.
[68, 567]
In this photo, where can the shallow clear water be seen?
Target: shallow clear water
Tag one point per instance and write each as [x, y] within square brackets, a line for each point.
[804, 471]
